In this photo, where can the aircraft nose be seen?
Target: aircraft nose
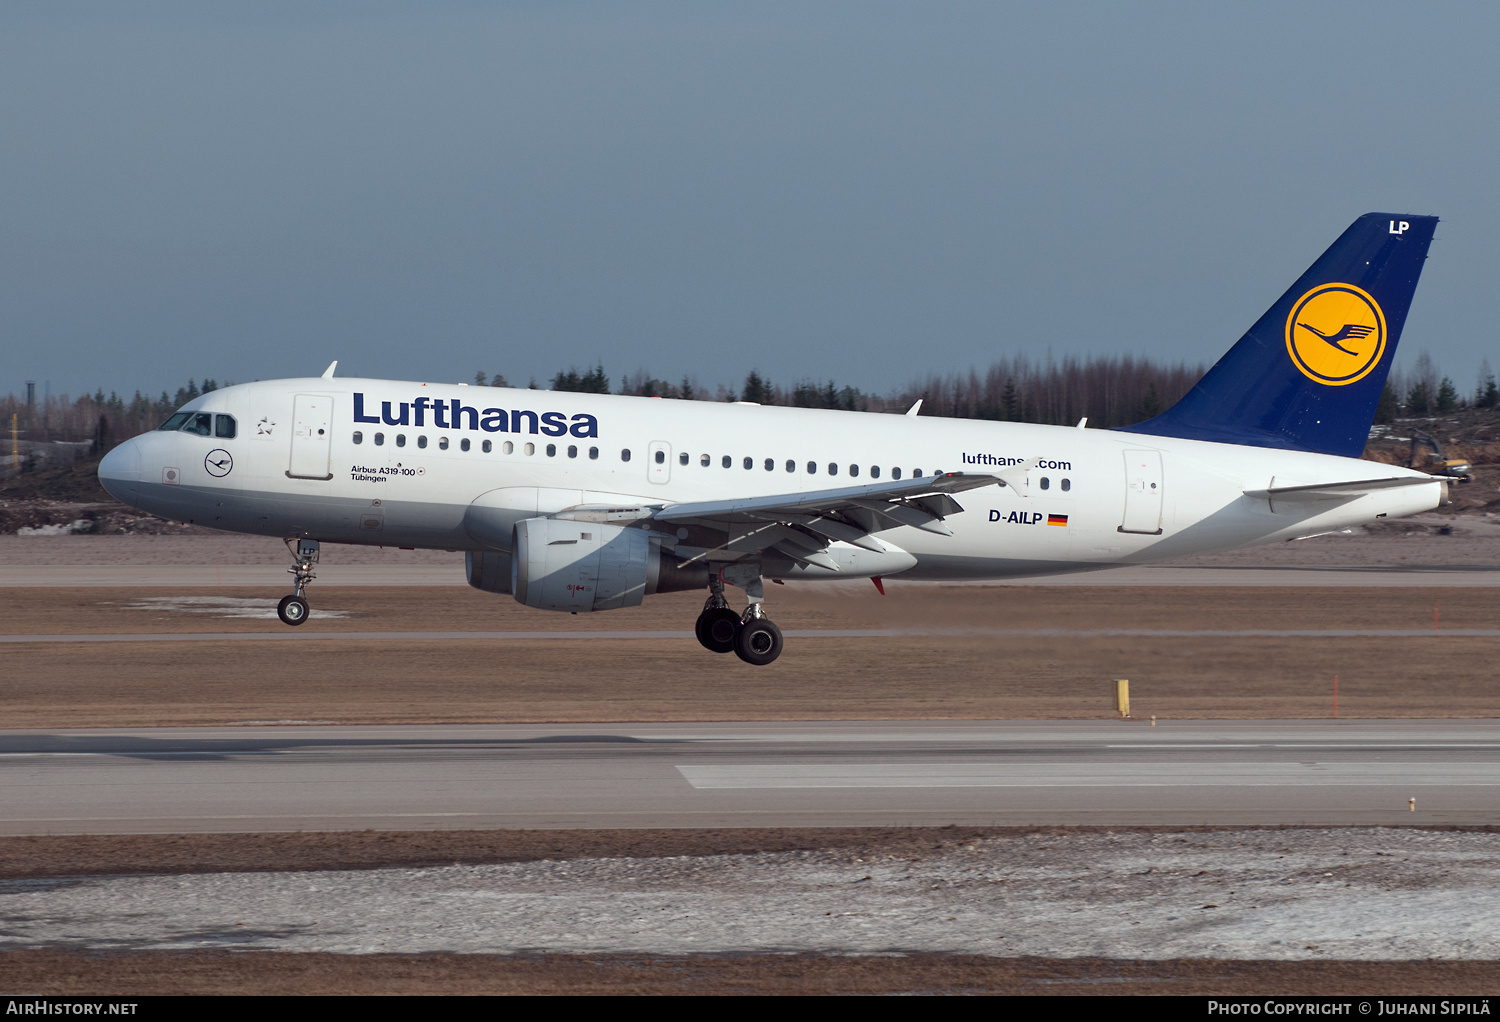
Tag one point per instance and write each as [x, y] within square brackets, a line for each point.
[120, 470]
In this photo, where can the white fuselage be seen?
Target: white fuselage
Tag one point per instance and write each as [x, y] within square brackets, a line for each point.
[420, 485]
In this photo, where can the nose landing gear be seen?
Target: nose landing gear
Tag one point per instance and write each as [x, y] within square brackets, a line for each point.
[751, 636]
[293, 609]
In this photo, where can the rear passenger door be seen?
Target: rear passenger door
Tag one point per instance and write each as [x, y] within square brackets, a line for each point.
[1142, 493]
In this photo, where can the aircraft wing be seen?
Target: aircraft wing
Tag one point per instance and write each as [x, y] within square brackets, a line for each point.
[802, 525]
[1314, 492]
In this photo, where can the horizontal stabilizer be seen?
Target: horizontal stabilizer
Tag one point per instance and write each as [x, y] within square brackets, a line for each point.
[1314, 492]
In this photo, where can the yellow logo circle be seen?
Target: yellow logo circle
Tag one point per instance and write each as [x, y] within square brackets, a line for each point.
[1335, 334]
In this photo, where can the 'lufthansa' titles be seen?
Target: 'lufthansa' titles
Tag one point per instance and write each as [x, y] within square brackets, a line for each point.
[454, 414]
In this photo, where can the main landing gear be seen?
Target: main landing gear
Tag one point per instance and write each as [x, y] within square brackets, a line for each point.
[293, 609]
[752, 636]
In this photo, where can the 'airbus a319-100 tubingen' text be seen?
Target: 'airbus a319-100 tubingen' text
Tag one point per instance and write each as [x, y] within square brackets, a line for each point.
[454, 414]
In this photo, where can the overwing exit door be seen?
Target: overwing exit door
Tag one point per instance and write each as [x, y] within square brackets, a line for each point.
[659, 461]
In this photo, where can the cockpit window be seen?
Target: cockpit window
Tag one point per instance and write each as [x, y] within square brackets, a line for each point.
[175, 422]
[224, 426]
[202, 423]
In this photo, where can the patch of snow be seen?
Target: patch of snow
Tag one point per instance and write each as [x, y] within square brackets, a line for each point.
[1356, 893]
[258, 608]
[77, 527]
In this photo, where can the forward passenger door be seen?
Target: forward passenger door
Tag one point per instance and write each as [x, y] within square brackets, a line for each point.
[312, 437]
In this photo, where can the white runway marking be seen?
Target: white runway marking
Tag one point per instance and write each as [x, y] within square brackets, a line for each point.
[1077, 775]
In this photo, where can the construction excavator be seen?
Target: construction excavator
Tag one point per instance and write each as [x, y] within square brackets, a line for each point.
[1436, 461]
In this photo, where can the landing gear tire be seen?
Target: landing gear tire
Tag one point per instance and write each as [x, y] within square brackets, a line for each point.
[292, 610]
[717, 629]
[758, 643]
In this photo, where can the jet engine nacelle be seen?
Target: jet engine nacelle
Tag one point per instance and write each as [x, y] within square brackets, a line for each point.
[577, 566]
[488, 570]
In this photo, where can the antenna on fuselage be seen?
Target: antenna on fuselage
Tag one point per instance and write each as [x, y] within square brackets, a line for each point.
[328, 373]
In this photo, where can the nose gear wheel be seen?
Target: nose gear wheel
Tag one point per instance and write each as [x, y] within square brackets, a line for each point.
[292, 610]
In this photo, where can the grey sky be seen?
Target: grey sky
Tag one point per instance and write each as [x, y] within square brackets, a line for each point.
[860, 191]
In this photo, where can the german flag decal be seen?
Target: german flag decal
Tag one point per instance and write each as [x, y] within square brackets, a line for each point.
[1057, 519]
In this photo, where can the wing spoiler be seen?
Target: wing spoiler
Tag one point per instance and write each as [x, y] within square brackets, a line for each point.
[921, 502]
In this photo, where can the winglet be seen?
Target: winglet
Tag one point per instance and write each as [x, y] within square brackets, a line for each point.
[328, 373]
[912, 411]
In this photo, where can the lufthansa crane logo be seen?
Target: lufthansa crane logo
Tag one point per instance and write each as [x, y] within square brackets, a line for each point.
[1336, 334]
[218, 463]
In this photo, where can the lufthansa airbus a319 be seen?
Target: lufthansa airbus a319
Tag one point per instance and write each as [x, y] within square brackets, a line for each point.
[588, 502]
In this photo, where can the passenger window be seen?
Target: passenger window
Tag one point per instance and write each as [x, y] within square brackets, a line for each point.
[202, 424]
[463, 445]
[704, 461]
[400, 439]
[791, 466]
[833, 469]
[530, 449]
[661, 457]
[509, 448]
[422, 442]
[874, 471]
[572, 450]
[770, 464]
[683, 458]
[1067, 484]
[854, 470]
[916, 473]
[224, 427]
[1046, 483]
[624, 455]
[359, 437]
[749, 463]
[551, 450]
[175, 422]
[593, 452]
[895, 473]
[812, 468]
[442, 443]
[487, 446]
[379, 439]
[728, 461]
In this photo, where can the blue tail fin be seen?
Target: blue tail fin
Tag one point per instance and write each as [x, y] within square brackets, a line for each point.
[1308, 374]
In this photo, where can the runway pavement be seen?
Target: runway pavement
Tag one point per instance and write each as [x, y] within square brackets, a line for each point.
[280, 778]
